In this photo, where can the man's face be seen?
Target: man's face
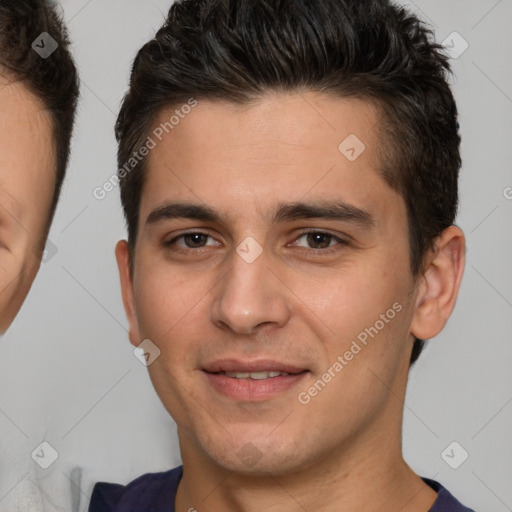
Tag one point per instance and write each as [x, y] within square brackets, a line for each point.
[270, 282]
[27, 181]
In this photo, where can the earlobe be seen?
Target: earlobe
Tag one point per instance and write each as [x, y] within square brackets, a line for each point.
[439, 286]
[125, 276]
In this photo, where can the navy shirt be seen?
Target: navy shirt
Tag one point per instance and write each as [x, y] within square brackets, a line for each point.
[156, 493]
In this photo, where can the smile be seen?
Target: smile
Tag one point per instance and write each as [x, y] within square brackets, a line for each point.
[256, 375]
[252, 381]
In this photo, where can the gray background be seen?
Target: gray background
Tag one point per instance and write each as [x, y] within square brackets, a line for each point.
[67, 372]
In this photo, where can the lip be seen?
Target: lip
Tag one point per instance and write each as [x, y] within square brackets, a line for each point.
[237, 365]
[251, 390]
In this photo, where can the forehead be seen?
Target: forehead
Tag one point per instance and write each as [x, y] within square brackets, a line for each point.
[282, 147]
[27, 152]
[277, 125]
[23, 116]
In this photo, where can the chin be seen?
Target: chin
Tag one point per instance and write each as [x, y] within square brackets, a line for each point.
[257, 457]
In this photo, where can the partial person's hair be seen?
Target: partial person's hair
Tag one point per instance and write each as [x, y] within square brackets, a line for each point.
[239, 50]
[53, 80]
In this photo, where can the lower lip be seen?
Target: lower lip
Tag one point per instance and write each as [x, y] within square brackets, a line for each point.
[253, 390]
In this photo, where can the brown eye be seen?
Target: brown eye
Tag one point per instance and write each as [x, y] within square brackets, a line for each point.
[190, 241]
[195, 240]
[319, 240]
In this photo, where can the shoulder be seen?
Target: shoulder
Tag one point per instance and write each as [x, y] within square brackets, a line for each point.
[153, 491]
[445, 501]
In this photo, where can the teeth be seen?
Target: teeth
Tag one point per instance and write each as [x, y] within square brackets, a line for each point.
[259, 375]
[255, 375]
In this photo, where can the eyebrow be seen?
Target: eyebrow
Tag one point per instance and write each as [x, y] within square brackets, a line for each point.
[182, 211]
[329, 210]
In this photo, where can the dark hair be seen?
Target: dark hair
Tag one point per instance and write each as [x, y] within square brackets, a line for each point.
[54, 79]
[237, 50]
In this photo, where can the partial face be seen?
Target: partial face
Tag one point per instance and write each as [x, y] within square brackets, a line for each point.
[27, 182]
[272, 272]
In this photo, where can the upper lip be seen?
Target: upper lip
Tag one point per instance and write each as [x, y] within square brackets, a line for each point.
[262, 365]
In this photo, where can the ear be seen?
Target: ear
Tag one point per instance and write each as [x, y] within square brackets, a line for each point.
[123, 262]
[439, 285]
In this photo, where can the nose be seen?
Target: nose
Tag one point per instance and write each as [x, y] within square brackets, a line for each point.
[250, 295]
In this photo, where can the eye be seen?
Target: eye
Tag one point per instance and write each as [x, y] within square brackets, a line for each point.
[195, 240]
[319, 240]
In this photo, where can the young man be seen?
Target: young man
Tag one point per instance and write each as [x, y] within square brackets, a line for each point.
[38, 96]
[289, 179]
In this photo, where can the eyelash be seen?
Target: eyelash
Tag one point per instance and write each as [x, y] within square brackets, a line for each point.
[317, 252]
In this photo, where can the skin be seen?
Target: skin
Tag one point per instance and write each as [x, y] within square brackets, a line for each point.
[27, 182]
[199, 301]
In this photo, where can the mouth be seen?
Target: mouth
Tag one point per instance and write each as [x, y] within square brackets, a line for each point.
[256, 375]
[253, 381]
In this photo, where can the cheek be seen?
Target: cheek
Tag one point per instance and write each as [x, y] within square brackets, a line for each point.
[167, 302]
[367, 304]
[344, 299]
